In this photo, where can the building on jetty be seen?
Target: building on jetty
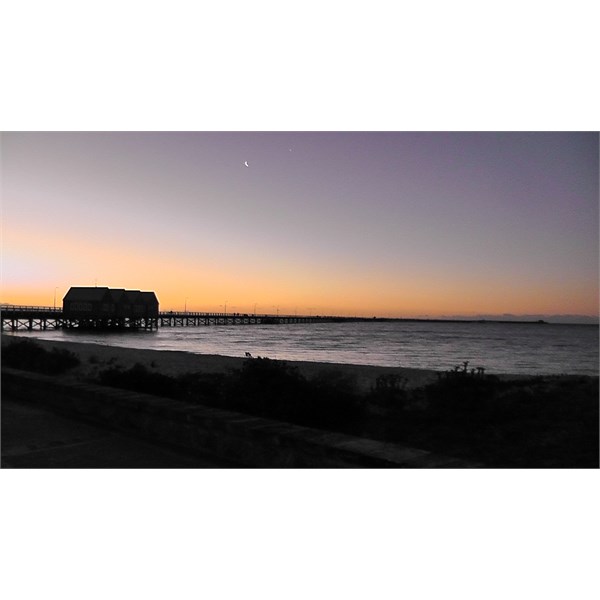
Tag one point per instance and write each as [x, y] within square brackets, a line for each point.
[107, 308]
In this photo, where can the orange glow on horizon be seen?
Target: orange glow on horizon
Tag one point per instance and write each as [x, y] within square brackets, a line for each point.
[415, 304]
[206, 287]
[49, 259]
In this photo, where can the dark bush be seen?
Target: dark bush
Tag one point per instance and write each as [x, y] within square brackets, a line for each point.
[30, 356]
[389, 394]
[262, 387]
[139, 379]
[334, 401]
[205, 388]
[458, 396]
[538, 421]
[268, 388]
[273, 389]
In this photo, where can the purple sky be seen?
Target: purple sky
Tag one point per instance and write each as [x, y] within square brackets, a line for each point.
[400, 224]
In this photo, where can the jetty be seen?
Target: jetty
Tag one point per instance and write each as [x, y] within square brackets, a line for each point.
[110, 309]
[46, 317]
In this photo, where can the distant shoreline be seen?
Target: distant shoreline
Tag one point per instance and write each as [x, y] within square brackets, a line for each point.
[395, 319]
[467, 320]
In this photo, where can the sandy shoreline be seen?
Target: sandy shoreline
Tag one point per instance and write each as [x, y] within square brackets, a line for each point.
[97, 357]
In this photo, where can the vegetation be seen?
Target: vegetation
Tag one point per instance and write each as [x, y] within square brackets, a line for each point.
[262, 387]
[139, 379]
[534, 422]
[30, 356]
[529, 422]
[273, 389]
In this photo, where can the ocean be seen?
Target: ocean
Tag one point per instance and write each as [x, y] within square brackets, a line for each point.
[536, 349]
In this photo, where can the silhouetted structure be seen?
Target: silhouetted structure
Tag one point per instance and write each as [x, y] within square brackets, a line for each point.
[106, 308]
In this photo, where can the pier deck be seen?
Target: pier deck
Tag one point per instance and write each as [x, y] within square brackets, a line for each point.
[43, 317]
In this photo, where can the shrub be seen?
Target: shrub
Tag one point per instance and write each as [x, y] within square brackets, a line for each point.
[273, 389]
[459, 393]
[30, 356]
[205, 388]
[389, 393]
[139, 379]
[267, 387]
[262, 387]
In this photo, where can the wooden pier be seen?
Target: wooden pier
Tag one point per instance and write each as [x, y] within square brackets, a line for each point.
[195, 319]
[31, 318]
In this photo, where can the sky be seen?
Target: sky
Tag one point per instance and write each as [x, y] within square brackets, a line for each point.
[392, 224]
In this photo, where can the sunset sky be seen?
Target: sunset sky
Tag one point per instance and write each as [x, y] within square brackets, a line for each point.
[387, 224]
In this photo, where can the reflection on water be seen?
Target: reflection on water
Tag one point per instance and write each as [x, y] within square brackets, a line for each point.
[499, 347]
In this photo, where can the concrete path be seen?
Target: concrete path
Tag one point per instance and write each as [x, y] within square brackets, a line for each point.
[36, 438]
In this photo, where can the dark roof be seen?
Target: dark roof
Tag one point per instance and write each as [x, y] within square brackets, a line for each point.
[115, 295]
[149, 298]
[86, 294]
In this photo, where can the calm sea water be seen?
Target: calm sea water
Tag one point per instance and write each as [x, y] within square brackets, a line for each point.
[499, 347]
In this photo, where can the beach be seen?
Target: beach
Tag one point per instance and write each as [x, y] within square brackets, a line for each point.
[98, 357]
[499, 421]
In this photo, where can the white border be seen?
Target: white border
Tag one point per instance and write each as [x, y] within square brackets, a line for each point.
[312, 66]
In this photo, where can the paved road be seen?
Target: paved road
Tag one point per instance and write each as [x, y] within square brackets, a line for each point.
[33, 437]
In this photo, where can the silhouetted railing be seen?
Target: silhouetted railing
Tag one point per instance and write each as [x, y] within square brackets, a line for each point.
[21, 308]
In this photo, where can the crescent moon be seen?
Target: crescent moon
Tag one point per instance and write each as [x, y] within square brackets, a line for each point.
[246, 163]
